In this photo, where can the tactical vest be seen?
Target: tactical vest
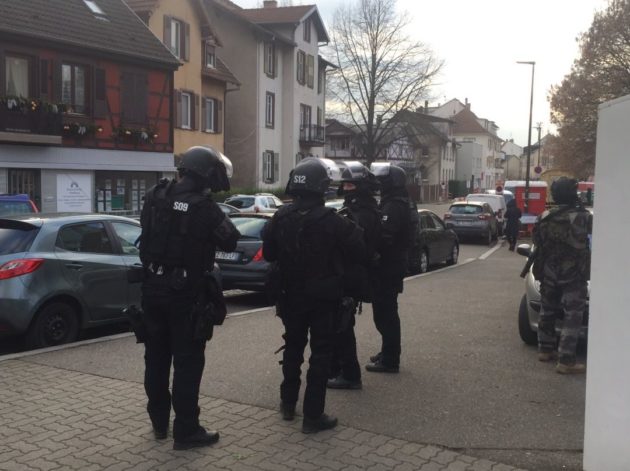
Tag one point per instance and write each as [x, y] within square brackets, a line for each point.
[167, 238]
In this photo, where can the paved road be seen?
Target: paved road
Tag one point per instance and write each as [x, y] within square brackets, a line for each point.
[467, 382]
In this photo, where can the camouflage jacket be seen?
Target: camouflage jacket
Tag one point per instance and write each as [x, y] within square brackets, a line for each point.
[561, 237]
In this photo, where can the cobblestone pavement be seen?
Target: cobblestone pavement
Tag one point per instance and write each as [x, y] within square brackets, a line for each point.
[55, 419]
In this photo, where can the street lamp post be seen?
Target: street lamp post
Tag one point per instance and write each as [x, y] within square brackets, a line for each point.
[529, 135]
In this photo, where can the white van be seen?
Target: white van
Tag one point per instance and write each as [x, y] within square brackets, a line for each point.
[496, 202]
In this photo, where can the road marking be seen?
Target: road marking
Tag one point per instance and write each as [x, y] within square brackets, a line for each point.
[491, 251]
[440, 270]
[251, 311]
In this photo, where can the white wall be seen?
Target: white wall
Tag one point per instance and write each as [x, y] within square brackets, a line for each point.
[607, 421]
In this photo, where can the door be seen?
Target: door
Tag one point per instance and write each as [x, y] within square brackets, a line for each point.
[96, 272]
[429, 237]
[444, 238]
[127, 235]
[25, 181]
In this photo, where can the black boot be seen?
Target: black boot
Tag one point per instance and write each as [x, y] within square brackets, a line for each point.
[377, 357]
[200, 438]
[323, 422]
[342, 383]
[288, 411]
[380, 367]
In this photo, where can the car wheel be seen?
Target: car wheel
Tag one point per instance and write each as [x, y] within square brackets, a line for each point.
[487, 237]
[424, 262]
[452, 260]
[55, 323]
[528, 335]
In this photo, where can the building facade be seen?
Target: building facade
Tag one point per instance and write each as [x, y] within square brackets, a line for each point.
[276, 118]
[202, 80]
[85, 112]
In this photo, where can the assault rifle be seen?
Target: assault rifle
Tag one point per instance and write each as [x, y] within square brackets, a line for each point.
[531, 258]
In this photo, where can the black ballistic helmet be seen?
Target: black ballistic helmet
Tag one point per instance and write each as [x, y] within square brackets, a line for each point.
[360, 176]
[310, 176]
[209, 164]
[390, 176]
[564, 190]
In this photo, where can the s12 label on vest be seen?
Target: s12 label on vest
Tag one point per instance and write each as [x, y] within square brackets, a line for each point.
[180, 206]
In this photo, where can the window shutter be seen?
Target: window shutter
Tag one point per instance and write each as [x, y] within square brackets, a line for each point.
[100, 93]
[167, 31]
[177, 105]
[204, 121]
[266, 47]
[204, 54]
[44, 89]
[141, 90]
[218, 119]
[186, 41]
[127, 98]
[311, 70]
[56, 91]
[194, 111]
[275, 61]
[276, 167]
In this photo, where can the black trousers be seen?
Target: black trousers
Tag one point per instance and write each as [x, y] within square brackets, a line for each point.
[303, 316]
[387, 321]
[170, 341]
[344, 354]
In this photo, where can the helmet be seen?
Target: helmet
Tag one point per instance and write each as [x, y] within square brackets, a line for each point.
[357, 177]
[564, 190]
[311, 175]
[390, 176]
[209, 164]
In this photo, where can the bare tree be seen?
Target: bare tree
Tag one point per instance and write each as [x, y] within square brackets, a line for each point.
[381, 69]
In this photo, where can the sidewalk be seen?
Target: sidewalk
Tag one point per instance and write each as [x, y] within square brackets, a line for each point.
[55, 419]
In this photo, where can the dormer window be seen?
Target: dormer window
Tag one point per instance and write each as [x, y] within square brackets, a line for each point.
[95, 9]
[210, 60]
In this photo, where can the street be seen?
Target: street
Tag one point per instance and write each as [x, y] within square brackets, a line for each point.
[467, 382]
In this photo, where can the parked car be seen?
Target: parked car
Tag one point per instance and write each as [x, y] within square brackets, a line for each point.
[496, 202]
[529, 308]
[472, 219]
[228, 209]
[258, 203]
[62, 273]
[245, 268]
[507, 195]
[435, 243]
[16, 204]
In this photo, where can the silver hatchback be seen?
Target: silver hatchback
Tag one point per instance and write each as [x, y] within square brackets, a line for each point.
[62, 273]
[472, 219]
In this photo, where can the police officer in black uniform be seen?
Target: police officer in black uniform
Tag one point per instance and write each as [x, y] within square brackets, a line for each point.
[395, 240]
[310, 243]
[180, 229]
[358, 186]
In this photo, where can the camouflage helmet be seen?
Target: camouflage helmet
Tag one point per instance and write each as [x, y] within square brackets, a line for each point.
[564, 190]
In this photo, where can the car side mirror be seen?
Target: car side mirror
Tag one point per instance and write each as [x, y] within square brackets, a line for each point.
[524, 250]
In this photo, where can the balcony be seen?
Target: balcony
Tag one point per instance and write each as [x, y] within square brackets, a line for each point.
[32, 124]
[312, 135]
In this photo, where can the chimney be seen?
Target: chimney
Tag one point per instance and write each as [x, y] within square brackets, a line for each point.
[270, 4]
[426, 106]
[466, 104]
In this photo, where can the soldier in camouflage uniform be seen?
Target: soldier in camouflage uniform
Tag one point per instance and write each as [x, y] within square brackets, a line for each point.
[561, 238]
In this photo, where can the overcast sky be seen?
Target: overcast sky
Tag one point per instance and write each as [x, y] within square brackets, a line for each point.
[480, 42]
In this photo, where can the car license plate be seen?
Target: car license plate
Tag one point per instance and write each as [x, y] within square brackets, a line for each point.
[465, 223]
[227, 256]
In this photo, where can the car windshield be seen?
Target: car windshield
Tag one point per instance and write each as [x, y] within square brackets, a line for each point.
[466, 209]
[250, 228]
[16, 237]
[241, 202]
[15, 207]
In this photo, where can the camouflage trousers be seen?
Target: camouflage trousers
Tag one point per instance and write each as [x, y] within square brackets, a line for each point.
[566, 302]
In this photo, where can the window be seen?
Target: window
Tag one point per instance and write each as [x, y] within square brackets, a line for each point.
[311, 71]
[186, 104]
[86, 238]
[209, 114]
[270, 164]
[301, 64]
[177, 37]
[270, 110]
[270, 59]
[17, 76]
[134, 95]
[321, 79]
[94, 8]
[73, 88]
[127, 235]
[210, 55]
[305, 116]
[307, 30]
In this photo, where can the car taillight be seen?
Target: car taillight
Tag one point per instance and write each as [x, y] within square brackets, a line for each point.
[19, 267]
[483, 217]
[259, 256]
[447, 216]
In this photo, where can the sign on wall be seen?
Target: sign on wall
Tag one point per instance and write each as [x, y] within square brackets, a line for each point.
[74, 192]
